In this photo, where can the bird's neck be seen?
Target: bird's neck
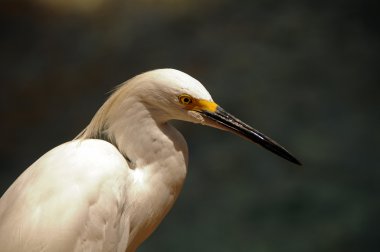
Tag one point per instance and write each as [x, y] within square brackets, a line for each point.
[140, 135]
[145, 140]
[157, 156]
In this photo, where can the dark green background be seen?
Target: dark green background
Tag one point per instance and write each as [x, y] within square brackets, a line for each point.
[303, 72]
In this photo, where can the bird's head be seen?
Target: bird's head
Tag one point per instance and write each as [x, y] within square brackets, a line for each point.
[175, 95]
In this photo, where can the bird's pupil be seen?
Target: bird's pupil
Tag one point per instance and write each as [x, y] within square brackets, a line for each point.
[186, 100]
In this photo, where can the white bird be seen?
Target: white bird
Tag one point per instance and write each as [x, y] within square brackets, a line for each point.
[108, 189]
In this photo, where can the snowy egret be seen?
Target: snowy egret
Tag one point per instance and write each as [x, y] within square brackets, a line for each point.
[108, 189]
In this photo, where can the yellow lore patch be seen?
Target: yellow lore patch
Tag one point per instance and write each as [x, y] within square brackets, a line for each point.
[199, 105]
[205, 105]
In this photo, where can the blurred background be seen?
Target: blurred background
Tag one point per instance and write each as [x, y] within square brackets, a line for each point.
[303, 72]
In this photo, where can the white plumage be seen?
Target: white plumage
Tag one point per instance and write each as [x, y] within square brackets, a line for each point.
[108, 189]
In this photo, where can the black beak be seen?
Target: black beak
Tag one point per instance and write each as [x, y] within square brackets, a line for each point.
[228, 122]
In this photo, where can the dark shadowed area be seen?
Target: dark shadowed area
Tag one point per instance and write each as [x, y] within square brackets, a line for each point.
[303, 72]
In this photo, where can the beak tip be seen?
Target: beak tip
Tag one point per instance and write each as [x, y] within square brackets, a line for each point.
[285, 155]
[295, 161]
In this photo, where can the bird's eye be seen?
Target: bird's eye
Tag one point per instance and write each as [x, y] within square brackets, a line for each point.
[185, 99]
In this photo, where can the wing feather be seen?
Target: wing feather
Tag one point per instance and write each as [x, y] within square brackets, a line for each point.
[71, 199]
